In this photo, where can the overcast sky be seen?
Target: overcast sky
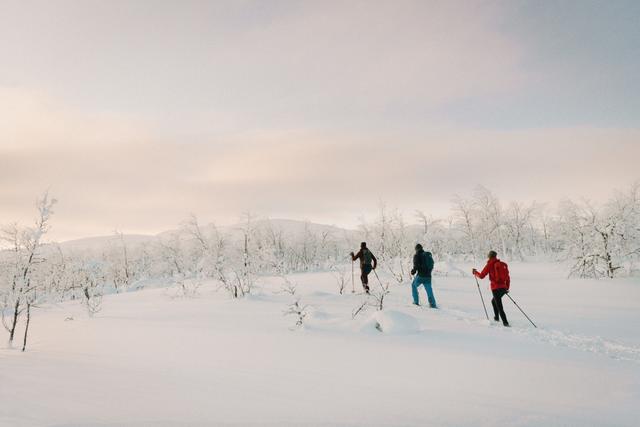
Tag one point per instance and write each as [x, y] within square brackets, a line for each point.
[136, 113]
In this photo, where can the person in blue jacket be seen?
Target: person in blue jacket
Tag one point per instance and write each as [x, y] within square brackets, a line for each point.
[422, 268]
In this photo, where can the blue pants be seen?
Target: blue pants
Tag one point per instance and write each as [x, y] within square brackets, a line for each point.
[426, 282]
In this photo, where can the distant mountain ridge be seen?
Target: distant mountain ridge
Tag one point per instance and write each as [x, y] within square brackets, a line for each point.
[289, 227]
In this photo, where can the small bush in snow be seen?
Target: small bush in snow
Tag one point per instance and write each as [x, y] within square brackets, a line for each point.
[297, 310]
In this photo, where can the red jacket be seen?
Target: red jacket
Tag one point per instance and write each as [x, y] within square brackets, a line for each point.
[491, 271]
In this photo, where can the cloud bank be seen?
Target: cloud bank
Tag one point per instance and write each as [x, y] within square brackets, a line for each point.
[136, 114]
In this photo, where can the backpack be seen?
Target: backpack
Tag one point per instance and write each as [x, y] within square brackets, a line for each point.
[428, 260]
[425, 264]
[367, 257]
[502, 274]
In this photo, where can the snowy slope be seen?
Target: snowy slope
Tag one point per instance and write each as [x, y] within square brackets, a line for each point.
[289, 228]
[100, 243]
[153, 359]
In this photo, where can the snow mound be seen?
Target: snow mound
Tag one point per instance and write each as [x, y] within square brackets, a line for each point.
[392, 322]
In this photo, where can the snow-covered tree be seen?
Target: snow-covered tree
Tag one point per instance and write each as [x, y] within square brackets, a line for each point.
[24, 286]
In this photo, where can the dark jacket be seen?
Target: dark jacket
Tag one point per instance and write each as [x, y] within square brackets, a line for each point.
[422, 263]
[366, 257]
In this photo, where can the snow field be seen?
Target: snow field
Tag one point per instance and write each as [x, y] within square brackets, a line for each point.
[150, 358]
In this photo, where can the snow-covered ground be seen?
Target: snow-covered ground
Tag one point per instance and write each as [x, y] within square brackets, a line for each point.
[152, 359]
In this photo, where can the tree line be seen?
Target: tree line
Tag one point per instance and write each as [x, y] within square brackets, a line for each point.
[595, 240]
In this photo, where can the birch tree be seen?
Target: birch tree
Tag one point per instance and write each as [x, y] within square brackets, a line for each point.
[25, 248]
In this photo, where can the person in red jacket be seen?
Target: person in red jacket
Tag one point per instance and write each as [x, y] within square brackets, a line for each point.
[499, 276]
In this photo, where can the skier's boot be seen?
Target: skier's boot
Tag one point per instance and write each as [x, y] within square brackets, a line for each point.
[496, 318]
[506, 324]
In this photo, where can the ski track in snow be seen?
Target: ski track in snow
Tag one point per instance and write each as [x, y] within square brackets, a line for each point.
[559, 338]
[591, 344]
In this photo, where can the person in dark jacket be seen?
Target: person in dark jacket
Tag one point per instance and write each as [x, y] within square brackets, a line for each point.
[368, 263]
[422, 268]
[500, 283]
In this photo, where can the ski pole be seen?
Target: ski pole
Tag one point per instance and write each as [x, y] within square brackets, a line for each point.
[353, 286]
[379, 281]
[522, 311]
[481, 298]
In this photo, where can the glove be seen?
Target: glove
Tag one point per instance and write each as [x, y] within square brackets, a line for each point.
[413, 271]
[351, 253]
[474, 271]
